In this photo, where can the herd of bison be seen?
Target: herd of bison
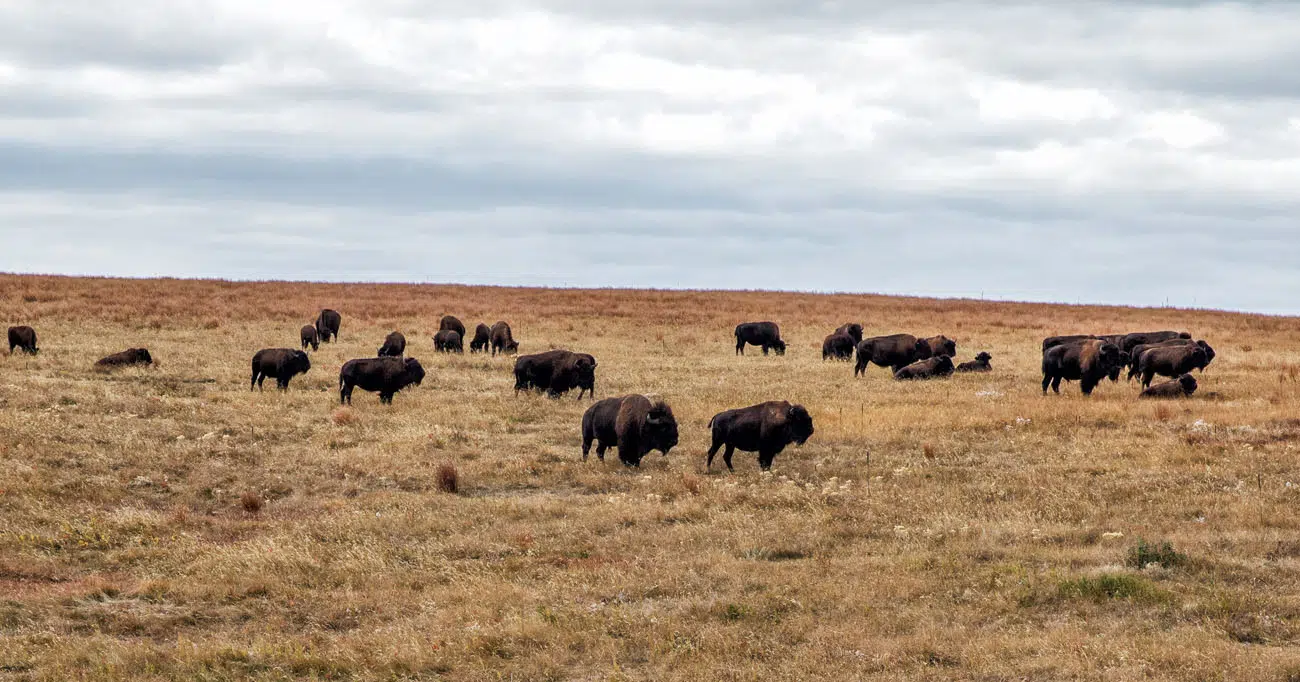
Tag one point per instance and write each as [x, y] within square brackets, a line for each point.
[637, 424]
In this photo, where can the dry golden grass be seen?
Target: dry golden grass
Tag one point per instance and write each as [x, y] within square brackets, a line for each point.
[167, 523]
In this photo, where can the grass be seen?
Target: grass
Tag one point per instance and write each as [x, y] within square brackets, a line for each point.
[167, 523]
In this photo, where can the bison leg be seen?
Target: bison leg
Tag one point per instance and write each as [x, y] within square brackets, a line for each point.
[765, 349]
[765, 459]
[726, 456]
[1147, 376]
[1047, 381]
[282, 383]
[740, 347]
[345, 393]
[859, 368]
[1056, 385]
[1087, 385]
[713, 450]
[385, 398]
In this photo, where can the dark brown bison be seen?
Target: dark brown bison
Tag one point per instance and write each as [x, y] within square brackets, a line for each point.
[394, 346]
[482, 337]
[309, 337]
[130, 356]
[1087, 362]
[503, 340]
[386, 375]
[763, 334]
[895, 351]
[634, 424]
[940, 345]
[448, 341]
[1054, 341]
[765, 428]
[853, 329]
[1182, 387]
[930, 368]
[1138, 338]
[327, 325]
[1171, 361]
[453, 323]
[24, 339]
[979, 364]
[557, 372]
[281, 364]
[838, 346]
[1135, 357]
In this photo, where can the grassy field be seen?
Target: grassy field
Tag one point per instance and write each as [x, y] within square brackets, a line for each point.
[167, 523]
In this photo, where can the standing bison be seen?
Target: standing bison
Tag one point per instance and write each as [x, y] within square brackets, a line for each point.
[979, 364]
[24, 339]
[1182, 387]
[1135, 357]
[853, 329]
[309, 337]
[1054, 341]
[281, 364]
[1138, 338]
[895, 351]
[838, 346]
[765, 428]
[448, 341]
[634, 424]
[482, 337]
[1087, 362]
[386, 375]
[327, 325]
[394, 346]
[130, 356]
[502, 339]
[1171, 361]
[930, 368]
[557, 372]
[763, 334]
[940, 345]
[452, 323]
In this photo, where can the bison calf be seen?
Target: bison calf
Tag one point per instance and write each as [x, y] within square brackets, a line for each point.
[838, 346]
[394, 346]
[766, 335]
[932, 368]
[1182, 387]
[327, 325]
[309, 337]
[130, 356]
[482, 338]
[634, 424]
[502, 339]
[386, 376]
[281, 364]
[979, 364]
[24, 339]
[766, 428]
[448, 341]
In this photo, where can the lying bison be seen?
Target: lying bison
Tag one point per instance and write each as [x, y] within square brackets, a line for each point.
[979, 364]
[765, 428]
[853, 329]
[386, 375]
[763, 334]
[482, 337]
[1087, 362]
[309, 337]
[24, 339]
[1171, 361]
[327, 325]
[394, 346]
[130, 356]
[634, 424]
[895, 351]
[930, 368]
[838, 346]
[1182, 387]
[281, 364]
[557, 372]
[1138, 338]
[448, 341]
[503, 340]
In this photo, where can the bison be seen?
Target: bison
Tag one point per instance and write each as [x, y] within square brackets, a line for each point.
[838, 346]
[394, 346]
[940, 345]
[386, 375]
[634, 424]
[309, 337]
[1135, 357]
[281, 364]
[24, 339]
[1171, 361]
[1138, 338]
[895, 351]
[130, 356]
[1087, 362]
[327, 325]
[1182, 387]
[763, 334]
[503, 340]
[1054, 341]
[853, 329]
[979, 364]
[452, 323]
[930, 368]
[765, 428]
[448, 341]
[557, 372]
[482, 337]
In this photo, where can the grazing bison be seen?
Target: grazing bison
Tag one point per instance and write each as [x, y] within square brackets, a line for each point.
[764, 334]
[940, 345]
[503, 340]
[634, 424]
[1138, 338]
[452, 323]
[765, 428]
[1087, 362]
[24, 339]
[1171, 361]
[1054, 341]
[386, 375]
[852, 329]
[557, 372]
[327, 325]
[482, 337]
[448, 341]
[895, 351]
[930, 368]
[309, 337]
[394, 346]
[838, 346]
[130, 356]
[281, 364]
[1182, 387]
[979, 364]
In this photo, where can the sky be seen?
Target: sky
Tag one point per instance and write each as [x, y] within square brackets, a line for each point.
[1128, 152]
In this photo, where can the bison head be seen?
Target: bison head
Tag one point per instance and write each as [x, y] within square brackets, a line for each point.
[942, 345]
[142, 355]
[511, 347]
[1188, 383]
[779, 346]
[1209, 352]
[798, 424]
[661, 427]
[943, 365]
[301, 362]
[412, 372]
[1125, 359]
[922, 349]
[1200, 358]
[854, 330]
[983, 358]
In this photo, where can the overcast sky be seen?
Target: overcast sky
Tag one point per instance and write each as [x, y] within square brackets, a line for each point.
[1120, 152]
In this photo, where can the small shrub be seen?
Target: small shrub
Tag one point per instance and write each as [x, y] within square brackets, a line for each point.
[344, 416]
[692, 483]
[1144, 554]
[251, 503]
[448, 478]
[1109, 586]
[928, 450]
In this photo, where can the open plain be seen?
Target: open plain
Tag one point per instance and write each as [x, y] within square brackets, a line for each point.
[167, 523]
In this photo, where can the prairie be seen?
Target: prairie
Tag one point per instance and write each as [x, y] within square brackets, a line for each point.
[167, 523]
